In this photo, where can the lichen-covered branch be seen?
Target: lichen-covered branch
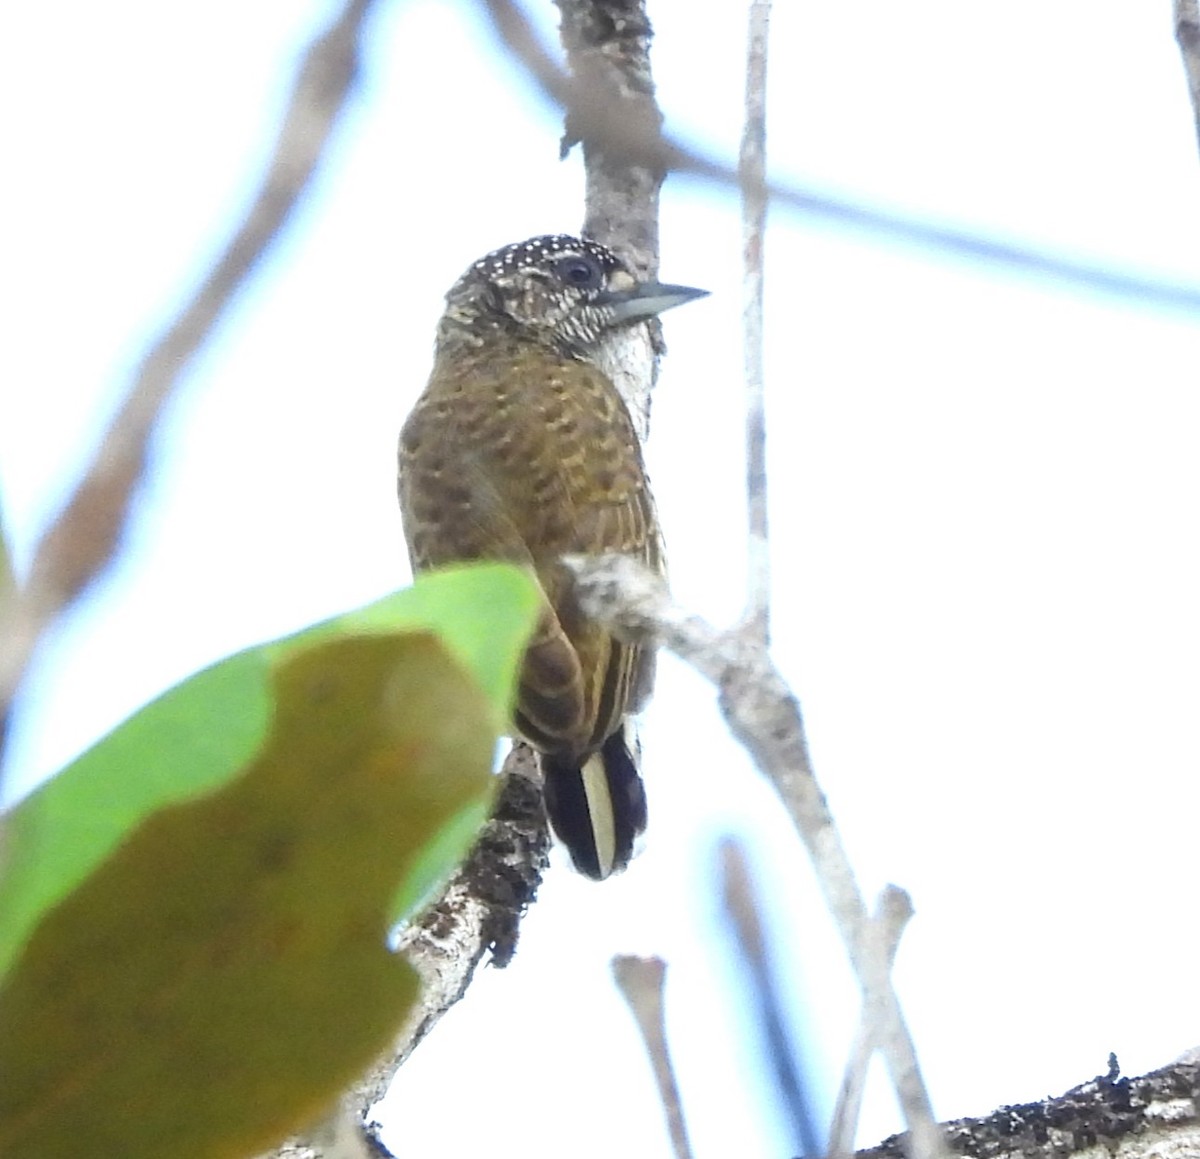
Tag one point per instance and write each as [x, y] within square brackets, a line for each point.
[1152, 1117]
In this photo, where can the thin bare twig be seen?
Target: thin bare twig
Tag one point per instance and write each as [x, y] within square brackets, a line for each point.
[86, 536]
[744, 907]
[641, 981]
[1187, 33]
[752, 181]
[763, 713]
[893, 910]
[644, 145]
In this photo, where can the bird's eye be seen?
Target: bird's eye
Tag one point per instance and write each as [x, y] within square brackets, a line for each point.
[581, 272]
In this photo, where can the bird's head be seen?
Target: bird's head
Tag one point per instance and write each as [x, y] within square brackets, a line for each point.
[561, 291]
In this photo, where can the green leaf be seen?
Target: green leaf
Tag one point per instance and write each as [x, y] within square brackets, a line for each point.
[218, 972]
[201, 733]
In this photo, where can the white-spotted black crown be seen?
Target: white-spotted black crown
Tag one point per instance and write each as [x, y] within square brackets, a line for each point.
[545, 250]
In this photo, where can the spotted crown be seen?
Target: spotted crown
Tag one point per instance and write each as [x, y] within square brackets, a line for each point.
[540, 250]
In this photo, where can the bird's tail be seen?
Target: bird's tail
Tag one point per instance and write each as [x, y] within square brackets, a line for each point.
[598, 806]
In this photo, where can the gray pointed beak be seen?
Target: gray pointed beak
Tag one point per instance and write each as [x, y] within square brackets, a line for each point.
[647, 299]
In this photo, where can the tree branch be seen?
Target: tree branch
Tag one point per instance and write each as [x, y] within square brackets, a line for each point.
[752, 182]
[764, 715]
[641, 982]
[1149, 1117]
[608, 54]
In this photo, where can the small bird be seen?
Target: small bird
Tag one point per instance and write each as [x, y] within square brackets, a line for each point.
[522, 449]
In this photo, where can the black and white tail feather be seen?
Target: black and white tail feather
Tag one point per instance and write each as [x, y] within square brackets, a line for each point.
[597, 806]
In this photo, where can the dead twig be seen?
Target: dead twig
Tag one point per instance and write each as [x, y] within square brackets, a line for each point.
[641, 982]
[752, 182]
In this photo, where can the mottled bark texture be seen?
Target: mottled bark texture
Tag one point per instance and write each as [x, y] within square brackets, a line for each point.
[1156, 1115]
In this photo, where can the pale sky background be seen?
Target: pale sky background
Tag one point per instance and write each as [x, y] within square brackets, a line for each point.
[984, 497]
